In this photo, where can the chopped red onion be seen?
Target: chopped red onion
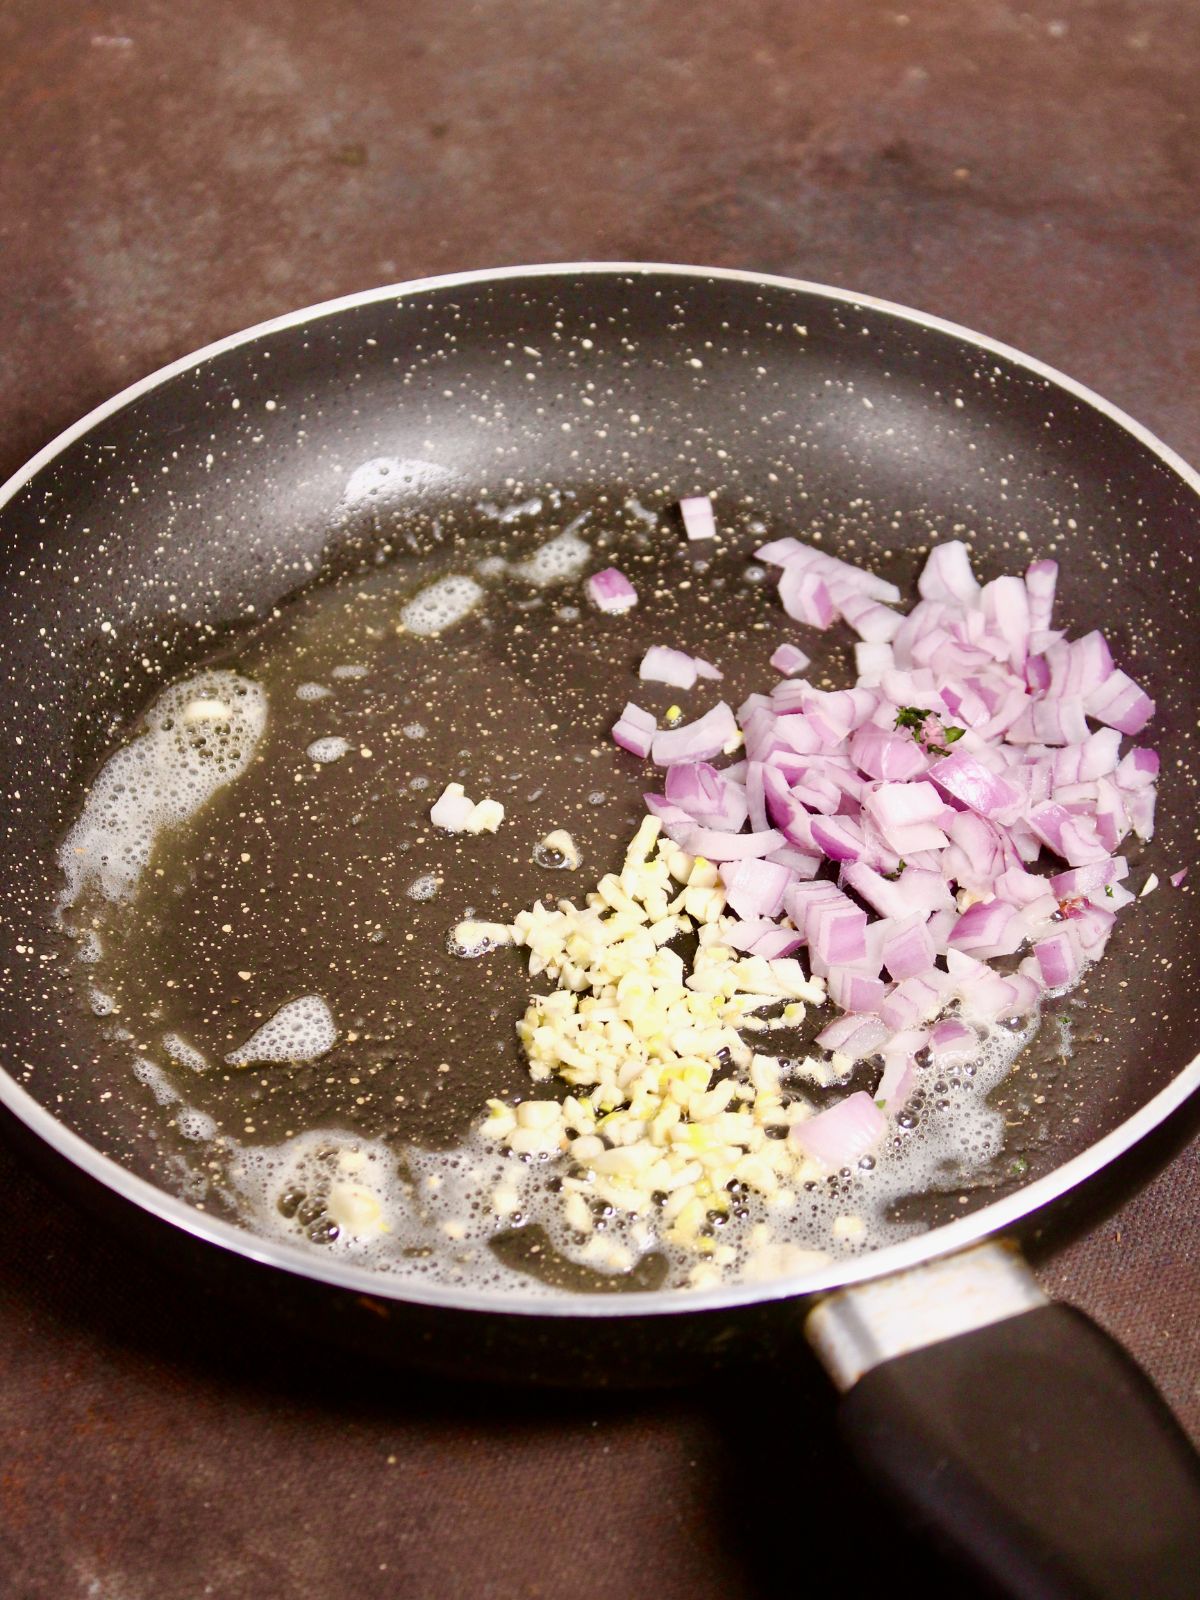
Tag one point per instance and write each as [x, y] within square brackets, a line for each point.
[1072, 837]
[988, 996]
[787, 659]
[751, 704]
[941, 926]
[1137, 770]
[989, 928]
[755, 888]
[1005, 606]
[775, 943]
[716, 845]
[802, 866]
[663, 665]
[1089, 663]
[1141, 812]
[910, 950]
[1040, 580]
[803, 897]
[925, 890]
[1109, 812]
[786, 812]
[976, 853]
[883, 895]
[872, 622]
[907, 816]
[1037, 674]
[842, 1135]
[838, 838]
[758, 732]
[1057, 721]
[634, 740]
[696, 741]
[1028, 892]
[699, 522]
[870, 963]
[788, 552]
[836, 931]
[852, 991]
[640, 718]
[1028, 993]
[1058, 959]
[899, 1078]
[1091, 926]
[634, 731]
[871, 661]
[676, 822]
[951, 1042]
[884, 754]
[746, 931]
[709, 796]
[779, 552]
[1099, 754]
[1120, 703]
[805, 597]
[854, 1035]
[915, 1000]
[947, 575]
[755, 799]
[963, 750]
[676, 668]
[966, 778]
[611, 591]
[1178, 877]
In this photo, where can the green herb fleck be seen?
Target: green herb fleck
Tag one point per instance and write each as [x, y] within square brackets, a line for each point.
[941, 749]
[1019, 1167]
[913, 718]
[1108, 890]
[892, 876]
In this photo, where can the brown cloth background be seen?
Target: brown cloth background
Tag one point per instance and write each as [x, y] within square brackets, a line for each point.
[171, 172]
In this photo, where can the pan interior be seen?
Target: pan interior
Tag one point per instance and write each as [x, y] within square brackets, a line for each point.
[597, 406]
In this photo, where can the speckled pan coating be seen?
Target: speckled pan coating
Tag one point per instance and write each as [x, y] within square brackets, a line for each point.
[194, 504]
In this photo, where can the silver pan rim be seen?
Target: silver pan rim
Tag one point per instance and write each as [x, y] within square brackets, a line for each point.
[994, 1218]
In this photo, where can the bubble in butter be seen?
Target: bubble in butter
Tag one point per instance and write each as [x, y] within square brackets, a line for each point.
[301, 1030]
[440, 605]
[199, 735]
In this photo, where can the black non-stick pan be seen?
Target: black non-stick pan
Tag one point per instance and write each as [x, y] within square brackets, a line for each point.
[169, 525]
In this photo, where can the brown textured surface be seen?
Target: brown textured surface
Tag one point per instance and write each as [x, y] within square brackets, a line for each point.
[174, 173]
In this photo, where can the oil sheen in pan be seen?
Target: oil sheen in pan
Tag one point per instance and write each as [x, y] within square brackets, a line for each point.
[262, 909]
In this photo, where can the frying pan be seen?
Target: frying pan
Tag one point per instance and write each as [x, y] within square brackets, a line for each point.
[195, 502]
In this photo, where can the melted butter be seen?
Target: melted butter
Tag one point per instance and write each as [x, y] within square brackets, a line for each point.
[291, 879]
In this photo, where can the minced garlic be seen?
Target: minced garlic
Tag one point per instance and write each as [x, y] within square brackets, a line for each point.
[455, 813]
[558, 849]
[356, 1209]
[669, 1105]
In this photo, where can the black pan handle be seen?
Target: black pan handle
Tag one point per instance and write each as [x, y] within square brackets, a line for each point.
[1027, 1441]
